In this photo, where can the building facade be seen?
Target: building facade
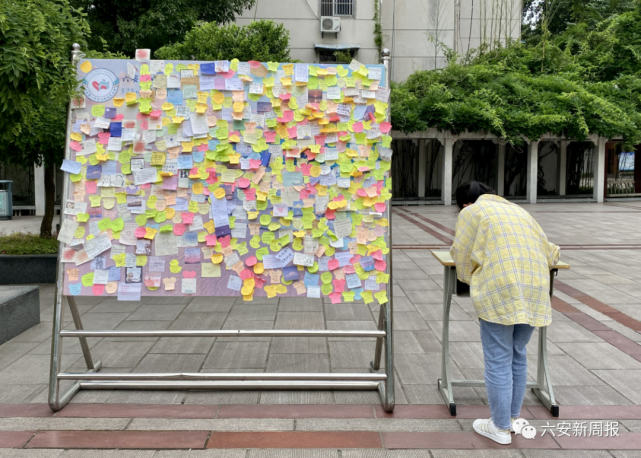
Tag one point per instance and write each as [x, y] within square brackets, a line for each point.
[416, 31]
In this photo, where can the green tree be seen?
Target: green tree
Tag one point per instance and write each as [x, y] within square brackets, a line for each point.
[260, 40]
[37, 80]
[131, 24]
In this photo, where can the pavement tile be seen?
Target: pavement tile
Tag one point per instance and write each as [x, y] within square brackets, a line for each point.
[289, 411]
[300, 320]
[627, 382]
[11, 439]
[625, 441]
[600, 356]
[289, 453]
[34, 453]
[237, 355]
[205, 398]
[58, 424]
[295, 439]
[458, 440]
[227, 424]
[119, 439]
[379, 424]
[298, 345]
[157, 311]
[136, 411]
[298, 397]
[566, 454]
[212, 453]
[588, 412]
[25, 410]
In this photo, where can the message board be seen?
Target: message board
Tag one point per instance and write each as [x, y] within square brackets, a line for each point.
[228, 178]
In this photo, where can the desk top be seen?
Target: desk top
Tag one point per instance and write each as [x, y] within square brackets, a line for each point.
[445, 258]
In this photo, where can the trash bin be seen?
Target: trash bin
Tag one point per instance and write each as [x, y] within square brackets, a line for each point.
[6, 209]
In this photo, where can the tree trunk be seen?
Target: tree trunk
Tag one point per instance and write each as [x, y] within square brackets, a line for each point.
[50, 197]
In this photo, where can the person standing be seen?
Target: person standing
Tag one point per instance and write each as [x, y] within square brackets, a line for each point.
[505, 257]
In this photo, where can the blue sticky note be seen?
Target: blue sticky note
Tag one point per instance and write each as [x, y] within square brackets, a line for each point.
[114, 274]
[109, 168]
[94, 172]
[71, 166]
[115, 129]
[191, 238]
[222, 231]
[357, 293]
[175, 96]
[311, 279]
[110, 113]
[185, 161]
[265, 158]
[292, 178]
[290, 273]
[367, 263]
[209, 69]
[181, 204]
[75, 288]
[198, 156]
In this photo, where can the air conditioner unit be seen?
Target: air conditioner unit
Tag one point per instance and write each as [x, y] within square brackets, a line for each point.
[330, 24]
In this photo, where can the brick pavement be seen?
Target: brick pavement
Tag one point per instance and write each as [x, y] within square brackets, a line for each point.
[594, 348]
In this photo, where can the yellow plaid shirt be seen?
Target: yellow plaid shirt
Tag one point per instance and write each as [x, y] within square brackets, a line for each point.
[505, 257]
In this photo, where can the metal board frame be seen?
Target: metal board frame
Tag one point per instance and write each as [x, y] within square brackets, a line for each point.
[92, 379]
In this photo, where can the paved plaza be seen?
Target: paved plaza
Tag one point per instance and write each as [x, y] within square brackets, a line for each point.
[594, 347]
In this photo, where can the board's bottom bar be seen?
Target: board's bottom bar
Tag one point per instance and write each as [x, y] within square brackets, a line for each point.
[231, 385]
[224, 376]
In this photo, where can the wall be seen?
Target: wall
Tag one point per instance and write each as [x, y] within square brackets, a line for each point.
[410, 28]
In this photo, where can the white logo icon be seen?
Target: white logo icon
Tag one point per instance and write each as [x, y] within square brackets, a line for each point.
[521, 426]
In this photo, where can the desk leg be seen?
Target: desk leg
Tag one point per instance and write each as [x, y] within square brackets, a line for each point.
[544, 390]
[444, 383]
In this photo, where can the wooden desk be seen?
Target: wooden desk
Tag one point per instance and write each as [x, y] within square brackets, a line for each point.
[542, 387]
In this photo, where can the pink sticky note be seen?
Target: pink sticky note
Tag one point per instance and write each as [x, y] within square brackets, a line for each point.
[170, 183]
[253, 63]
[91, 186]
[145, 186]
[250, 194]
[211, 179]
[145, 78]
[228, 74]
[329, 214]
[203, 147]
[320, 139]
[251, 261]
[188, 217]
[211, 240]
[380, 266]
[380, 206]
[194, 171]
[354, 259]
[259, 282]
[378, 255]
[333, 264]
[371, 116]
[287, 116]
[339, 285]
[361, 192]
[335, 297]
[244, 183]
[306, 168]
[103, 138]
[254, 163]
[98, 290]
[179, 229]
[358, 127]
[385, 127]
[119, 117]
[292, 132]
[285, 96]
[144, 125]
[304, 194]
[349, 269]
[140, 232]
[189, 274]
[270, 137]
[245, 274]
[139, 146]
[155, 113]
[224, 241]
[74, 145]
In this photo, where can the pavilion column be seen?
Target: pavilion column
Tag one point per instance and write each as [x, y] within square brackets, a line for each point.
[39, 189]
[599, 169]
[532, 171]
[422, 166]
[501, 170]
[448, 154]
[563, 166]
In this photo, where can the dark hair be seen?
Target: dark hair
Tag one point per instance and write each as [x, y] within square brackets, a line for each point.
[468, 193]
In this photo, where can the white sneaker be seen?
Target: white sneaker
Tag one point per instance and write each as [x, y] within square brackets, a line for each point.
[488, 429]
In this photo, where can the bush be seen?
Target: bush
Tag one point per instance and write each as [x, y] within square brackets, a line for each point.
[264, 41]
[18, 243]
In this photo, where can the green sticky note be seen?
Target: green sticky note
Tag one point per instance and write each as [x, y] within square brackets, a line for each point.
[87, 279]
[105, 224]
[261, 252]
[327, 289]
[255, 242]
[326, 277]
[268, 237]
[272, 66]
[141, 220]
[265, 220]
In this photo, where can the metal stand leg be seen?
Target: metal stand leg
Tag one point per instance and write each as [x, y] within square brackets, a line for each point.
[444, 383]
[543, 389]
[56, 401]
[376, 364]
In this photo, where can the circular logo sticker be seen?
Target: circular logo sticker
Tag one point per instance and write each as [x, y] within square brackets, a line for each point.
[101, 85]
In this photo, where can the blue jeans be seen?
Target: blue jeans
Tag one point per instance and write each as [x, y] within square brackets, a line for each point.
[505, 368]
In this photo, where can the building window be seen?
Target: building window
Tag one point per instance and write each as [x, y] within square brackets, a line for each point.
[328, 56]
[336, 7]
